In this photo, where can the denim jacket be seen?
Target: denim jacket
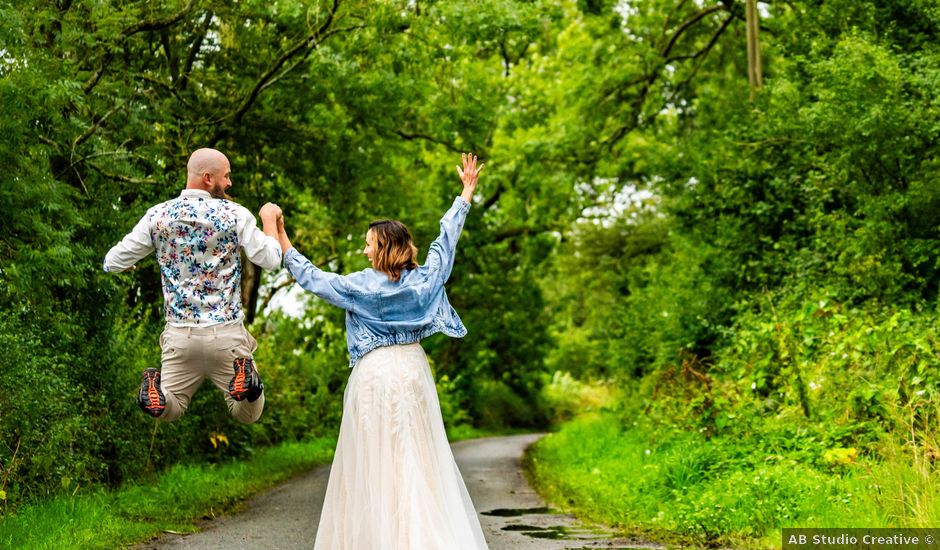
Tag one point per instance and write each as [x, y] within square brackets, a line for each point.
[380, 312]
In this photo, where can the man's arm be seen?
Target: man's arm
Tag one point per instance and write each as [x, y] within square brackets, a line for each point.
[261, 245]
[133, 247]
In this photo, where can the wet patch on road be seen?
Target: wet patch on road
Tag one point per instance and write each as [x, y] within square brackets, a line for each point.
[545, 523]
[514, 512]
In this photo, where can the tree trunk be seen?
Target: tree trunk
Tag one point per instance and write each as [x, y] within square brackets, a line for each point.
[251, 283]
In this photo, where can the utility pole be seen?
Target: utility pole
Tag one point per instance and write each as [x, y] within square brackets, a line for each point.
[752, 19]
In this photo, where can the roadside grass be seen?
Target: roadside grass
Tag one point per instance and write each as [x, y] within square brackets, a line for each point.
[176, 501]
[685, 490]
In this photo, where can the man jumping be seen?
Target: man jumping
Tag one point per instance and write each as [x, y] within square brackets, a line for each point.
[196, 238]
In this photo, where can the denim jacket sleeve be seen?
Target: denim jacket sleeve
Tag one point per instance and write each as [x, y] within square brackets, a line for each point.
[441, 254]
[324, 284]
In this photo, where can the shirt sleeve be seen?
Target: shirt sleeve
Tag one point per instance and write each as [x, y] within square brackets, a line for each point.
[324, 284]
[440, 259]
[135, 246]
[263, 250]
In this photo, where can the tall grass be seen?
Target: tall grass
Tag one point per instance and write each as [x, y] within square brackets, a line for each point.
[681, 487]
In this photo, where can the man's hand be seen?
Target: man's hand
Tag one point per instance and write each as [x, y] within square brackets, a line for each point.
[270, 211]
[469, 175]
[270, 214]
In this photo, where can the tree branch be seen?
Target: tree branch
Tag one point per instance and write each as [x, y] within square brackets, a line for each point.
[274, 290]
[290, 68]
[95, 78]
[146, 25]
[156, 25]
[310, 41]
[686, 25]
[170, 89]
[506, 61]
[488, 203]
[194, 50]
[94, 127]
[702, 54]
[498, 192]
[678, 7]
[75, 163]
[411, 137]
[172, 60]
[636, 107]
[635, 111]
[511, 232]
[121, 177]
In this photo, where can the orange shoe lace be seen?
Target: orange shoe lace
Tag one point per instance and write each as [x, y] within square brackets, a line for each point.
[239, 386]
[153, 394]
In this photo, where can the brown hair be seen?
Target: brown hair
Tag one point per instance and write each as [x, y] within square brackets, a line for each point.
[395, 249]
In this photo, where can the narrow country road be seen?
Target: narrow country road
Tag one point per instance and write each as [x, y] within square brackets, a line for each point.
[512, 514]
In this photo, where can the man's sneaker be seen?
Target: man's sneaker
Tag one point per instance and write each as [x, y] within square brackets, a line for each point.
[150, 398]
[246, 384]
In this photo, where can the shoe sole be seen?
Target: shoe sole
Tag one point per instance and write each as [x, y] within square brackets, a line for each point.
[155, 402]
[237, 388]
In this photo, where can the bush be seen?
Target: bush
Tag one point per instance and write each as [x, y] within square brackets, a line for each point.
[566, 397]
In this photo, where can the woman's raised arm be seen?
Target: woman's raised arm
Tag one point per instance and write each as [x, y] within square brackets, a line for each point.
[441, 254]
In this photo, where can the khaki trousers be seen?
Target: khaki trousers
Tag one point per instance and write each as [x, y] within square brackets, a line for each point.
[192, 354]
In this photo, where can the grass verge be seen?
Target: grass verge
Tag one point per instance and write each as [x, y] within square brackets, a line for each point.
[683, 489]
[175, 502]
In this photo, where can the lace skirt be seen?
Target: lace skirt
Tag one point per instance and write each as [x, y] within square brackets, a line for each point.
[394, 484]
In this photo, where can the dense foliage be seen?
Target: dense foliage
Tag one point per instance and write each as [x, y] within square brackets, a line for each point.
[757, 266]
[771, 299]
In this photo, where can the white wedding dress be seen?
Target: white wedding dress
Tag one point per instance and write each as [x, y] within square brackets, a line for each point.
[394, 484]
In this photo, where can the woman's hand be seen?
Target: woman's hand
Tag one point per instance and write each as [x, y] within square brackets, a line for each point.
[282, 237]
[469, 175]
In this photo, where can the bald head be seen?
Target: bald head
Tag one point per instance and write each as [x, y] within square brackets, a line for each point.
[204, 161]
[208, 170]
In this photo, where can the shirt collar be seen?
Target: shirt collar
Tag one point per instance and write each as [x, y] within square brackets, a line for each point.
[195, 193]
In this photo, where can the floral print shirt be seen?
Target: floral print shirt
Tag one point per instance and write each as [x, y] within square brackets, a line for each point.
[196, 239]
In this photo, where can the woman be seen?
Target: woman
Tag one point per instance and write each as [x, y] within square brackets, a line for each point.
[394, 483]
